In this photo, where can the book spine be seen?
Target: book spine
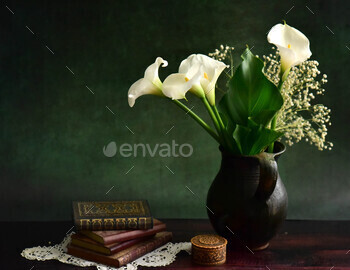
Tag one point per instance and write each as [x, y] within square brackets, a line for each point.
[144, 249]
[106, 250]
[127, 244]
[133, 234]
[90, 246]
[103, 224]
[91, 256]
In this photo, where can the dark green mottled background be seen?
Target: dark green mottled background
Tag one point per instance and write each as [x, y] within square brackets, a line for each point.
[53, 128]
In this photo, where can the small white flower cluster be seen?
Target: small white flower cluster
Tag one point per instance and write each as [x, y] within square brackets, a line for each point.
[298, 118]
[222, 54]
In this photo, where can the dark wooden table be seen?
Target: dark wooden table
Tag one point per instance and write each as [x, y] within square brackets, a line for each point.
[299, 245]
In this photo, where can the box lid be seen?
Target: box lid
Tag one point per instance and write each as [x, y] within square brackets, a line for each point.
[209, 241]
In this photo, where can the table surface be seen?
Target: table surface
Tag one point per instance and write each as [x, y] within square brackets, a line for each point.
[299, 245]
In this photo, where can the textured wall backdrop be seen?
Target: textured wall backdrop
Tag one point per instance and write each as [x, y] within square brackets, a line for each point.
[53, 128]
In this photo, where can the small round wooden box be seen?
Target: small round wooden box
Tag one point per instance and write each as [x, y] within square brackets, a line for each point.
[208, 249]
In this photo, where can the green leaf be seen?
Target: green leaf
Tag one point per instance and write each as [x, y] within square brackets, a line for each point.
[228, 131]
[248, 107]
[251, 95]
[263, 116]
[229, 126]
[253, 139]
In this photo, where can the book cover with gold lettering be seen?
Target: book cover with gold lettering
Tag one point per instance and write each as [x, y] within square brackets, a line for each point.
[112, 215]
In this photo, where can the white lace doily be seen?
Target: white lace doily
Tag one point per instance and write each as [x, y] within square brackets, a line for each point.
[162, 256]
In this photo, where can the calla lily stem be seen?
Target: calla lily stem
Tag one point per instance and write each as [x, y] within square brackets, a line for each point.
[217, 114]
[199, 120]
[274, 119]
[212, 114]
[224, 134]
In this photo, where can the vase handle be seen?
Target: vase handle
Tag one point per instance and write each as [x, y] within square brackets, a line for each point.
[268, 176]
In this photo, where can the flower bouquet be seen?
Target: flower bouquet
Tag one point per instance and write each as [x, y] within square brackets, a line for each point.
[265, 101]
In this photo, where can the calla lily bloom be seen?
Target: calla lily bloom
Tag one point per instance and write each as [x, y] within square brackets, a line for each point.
[197, 74]
[150, 84]
[176, 85]
[293, 45]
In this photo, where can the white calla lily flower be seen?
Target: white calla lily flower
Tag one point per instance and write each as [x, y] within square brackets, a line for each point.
[176, 85]
[197, 74]
[293, 45]
[150, 84]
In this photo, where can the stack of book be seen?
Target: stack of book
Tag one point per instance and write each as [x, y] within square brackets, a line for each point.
[115, 233]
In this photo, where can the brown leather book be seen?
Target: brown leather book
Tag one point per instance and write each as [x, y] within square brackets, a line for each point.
[110, 237]
[112, 215]
[125, 256]
[85, 242]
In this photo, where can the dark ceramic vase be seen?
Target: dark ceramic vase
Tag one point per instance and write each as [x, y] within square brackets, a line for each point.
[247, 201]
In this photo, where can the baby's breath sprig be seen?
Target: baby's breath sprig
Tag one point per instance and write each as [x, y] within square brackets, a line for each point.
[299, 118]
[224, 54]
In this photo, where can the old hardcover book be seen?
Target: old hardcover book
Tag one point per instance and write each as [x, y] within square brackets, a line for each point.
[125, 256]
[110, 237]
[113, 215]
[85, 242]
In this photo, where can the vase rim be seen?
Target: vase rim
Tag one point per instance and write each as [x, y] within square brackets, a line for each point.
[279, 149]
